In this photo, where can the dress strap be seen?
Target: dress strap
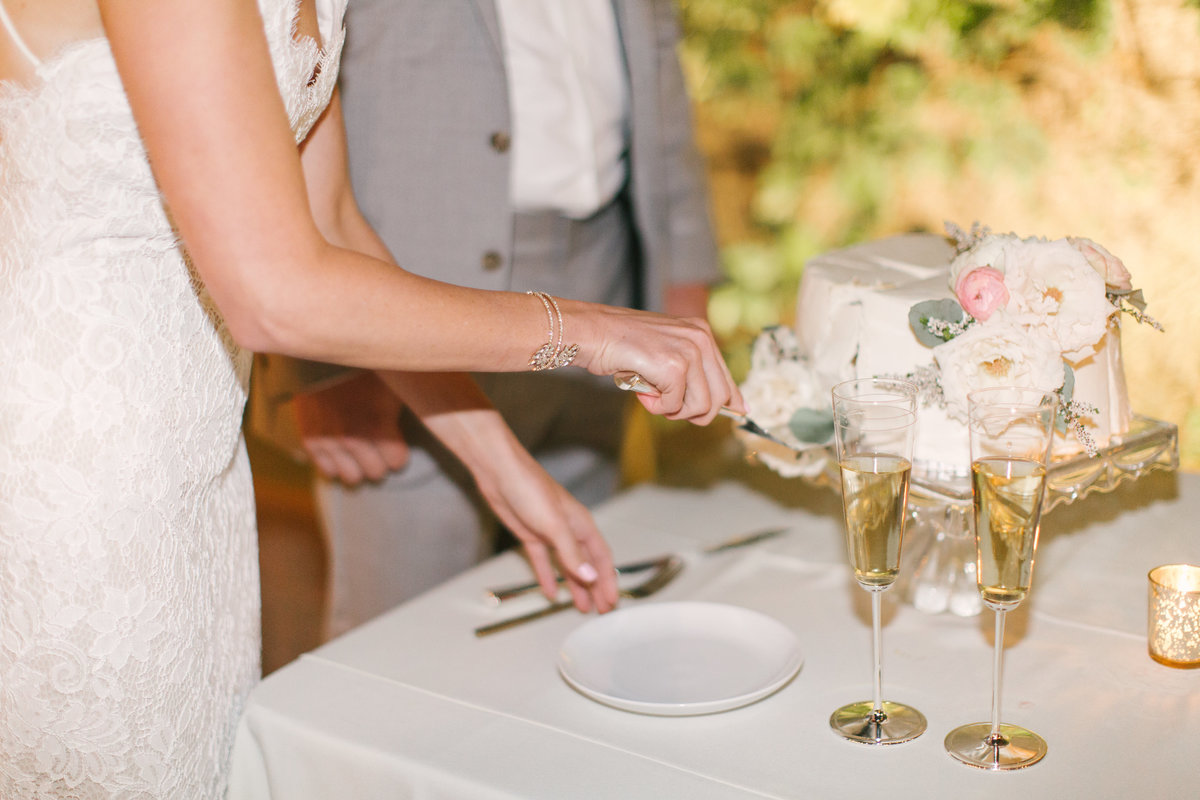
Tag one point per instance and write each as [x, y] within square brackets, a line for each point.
[16, 37]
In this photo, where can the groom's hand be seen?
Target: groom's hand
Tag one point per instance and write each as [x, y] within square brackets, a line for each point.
[351, 431]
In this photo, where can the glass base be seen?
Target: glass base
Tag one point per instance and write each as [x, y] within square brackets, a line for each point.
[1170, 662]
[1014, 748]
[893, 724]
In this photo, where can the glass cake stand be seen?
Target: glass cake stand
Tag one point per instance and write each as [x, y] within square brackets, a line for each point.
[938, 563]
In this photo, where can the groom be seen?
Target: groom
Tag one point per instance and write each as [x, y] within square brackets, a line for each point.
[514, 144]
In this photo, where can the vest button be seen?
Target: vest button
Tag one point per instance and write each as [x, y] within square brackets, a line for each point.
[501, 141]
[492, 261]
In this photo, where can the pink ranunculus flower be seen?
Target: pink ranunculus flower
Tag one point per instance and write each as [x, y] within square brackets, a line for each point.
[981, 291]
[1111, 268]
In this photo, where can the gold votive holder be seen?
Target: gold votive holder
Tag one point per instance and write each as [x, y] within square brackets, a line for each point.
[1173, 634]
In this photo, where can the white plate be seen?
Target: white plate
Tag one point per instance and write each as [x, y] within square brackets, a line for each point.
[677, 659]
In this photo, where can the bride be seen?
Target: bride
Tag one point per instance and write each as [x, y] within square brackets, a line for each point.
[173, 196]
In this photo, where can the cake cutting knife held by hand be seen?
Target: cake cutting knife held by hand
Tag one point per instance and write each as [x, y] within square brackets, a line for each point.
[633, 382]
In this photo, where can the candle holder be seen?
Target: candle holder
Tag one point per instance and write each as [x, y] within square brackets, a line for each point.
[1173, 631]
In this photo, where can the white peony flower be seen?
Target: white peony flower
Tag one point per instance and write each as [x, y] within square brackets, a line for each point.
[996, 353]
[779, 383]
[773, 345]
[1051, 285]
[774, 393]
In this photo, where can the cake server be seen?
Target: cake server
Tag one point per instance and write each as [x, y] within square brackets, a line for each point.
[633, 382]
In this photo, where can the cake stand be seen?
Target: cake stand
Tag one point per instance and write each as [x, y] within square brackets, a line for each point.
[938, 564]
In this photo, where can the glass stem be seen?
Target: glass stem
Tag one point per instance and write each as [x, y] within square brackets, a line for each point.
[877, 646]
[997, 672]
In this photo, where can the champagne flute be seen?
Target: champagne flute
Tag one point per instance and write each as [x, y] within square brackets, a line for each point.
[874, 426]
[1011, 433]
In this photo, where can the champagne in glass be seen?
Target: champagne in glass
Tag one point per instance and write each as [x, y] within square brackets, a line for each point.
[874, 493]
[874, 425]
[1011, 432]
[1007, 495]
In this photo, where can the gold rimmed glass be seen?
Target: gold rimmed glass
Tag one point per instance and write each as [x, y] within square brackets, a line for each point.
[874, 429]
[1011, 433]
[1173, 634]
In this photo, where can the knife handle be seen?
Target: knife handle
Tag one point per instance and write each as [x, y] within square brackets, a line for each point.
[494, 597]
[512, 622]
[497, 595]
[630, 381]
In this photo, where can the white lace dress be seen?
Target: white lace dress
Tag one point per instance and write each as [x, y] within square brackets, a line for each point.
[129, 609]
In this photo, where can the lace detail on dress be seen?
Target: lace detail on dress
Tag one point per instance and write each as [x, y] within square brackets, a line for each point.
[129, 609]
[304, 63]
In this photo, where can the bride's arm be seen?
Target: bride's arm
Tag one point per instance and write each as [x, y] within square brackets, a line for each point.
[550, 523]
[201, 85]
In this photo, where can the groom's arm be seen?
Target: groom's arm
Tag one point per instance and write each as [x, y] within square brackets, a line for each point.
[342, 418]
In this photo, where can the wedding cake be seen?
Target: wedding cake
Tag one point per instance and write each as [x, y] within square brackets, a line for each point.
[953, 315]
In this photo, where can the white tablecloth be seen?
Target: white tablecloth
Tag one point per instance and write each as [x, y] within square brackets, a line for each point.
[413, 705]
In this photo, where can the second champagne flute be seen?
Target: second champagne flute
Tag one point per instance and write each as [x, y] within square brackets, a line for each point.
[874, 428]
[1011, 432]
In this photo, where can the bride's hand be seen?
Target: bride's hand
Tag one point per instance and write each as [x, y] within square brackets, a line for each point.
[553, 527]
[678, 356]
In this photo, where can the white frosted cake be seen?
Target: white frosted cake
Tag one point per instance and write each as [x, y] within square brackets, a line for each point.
[853, 320]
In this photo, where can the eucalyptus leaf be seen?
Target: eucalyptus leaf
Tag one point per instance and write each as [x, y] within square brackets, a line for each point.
[1067, 392]
[1136, 299]
[811, 425]
[1065, 395]
[946, 309]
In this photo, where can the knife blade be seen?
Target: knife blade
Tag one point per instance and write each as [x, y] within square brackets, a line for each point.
[497, 595]
[742, 541]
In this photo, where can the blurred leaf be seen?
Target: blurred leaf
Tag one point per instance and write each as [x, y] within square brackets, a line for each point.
[724, 310]
[754, 266]
[778, 195]
[797, 244]
[760, 311]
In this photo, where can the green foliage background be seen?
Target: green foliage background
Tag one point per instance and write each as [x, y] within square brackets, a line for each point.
[828, 122]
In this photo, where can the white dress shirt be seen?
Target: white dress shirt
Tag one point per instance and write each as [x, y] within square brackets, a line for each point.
[569, 102]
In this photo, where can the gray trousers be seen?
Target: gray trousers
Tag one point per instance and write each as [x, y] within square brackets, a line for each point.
[392, 540]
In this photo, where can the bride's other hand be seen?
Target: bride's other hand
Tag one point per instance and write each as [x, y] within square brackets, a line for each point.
[555, 529]
[351, 430]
